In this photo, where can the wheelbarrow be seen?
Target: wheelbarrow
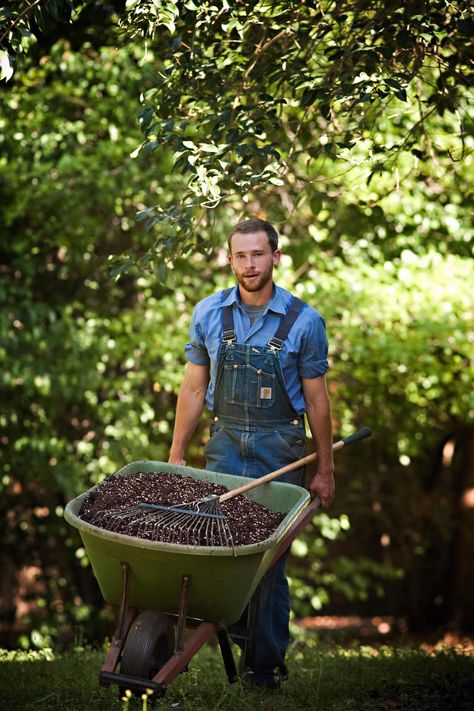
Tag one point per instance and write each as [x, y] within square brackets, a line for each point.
[172, 598]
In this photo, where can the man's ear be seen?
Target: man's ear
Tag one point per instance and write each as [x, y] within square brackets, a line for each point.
[276, 257]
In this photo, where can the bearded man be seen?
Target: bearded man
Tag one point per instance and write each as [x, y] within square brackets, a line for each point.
[257, 357]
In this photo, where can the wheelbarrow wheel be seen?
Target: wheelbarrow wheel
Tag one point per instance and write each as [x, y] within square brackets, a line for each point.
[149, 645]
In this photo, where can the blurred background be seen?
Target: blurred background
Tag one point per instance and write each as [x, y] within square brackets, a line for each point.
[374, 210]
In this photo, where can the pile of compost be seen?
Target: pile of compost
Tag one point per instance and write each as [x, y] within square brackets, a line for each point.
[114, 505]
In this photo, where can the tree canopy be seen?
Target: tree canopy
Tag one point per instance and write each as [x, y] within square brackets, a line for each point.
[266, 104]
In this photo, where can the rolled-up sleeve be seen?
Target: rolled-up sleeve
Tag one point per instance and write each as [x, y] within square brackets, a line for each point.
[313, 355]
[195, 350]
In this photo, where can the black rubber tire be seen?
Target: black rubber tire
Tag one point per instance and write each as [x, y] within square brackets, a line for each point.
[149, 645]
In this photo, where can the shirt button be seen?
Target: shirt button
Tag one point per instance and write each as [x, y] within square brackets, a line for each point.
[216, 419]
[236, 366]
[295, 422]
[259, 372]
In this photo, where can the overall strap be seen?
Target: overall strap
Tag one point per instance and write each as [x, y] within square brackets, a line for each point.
[284, 327]
[228, 331]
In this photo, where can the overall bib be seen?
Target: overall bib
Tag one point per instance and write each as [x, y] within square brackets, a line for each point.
[255, 430]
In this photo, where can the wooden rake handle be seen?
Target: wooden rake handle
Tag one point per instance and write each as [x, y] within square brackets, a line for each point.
[253, 483]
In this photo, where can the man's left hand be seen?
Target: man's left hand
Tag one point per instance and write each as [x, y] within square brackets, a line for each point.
[323, 486]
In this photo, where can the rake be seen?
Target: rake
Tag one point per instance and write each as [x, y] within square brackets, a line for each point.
[201, 522]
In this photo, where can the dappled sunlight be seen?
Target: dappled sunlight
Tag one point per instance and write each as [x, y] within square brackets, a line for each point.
[461, 644]
[30, 655]
[375, 633]
[468, 498]
[360, 626]
[448, 452]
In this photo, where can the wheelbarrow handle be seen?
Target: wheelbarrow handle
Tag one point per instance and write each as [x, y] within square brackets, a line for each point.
[307, 514]
[360, 434]
[296, 527]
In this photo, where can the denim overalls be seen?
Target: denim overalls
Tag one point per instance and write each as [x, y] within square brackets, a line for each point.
[255, 430]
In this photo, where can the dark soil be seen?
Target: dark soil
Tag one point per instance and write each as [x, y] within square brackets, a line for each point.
[114, 506]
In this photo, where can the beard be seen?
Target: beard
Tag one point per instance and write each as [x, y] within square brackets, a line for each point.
[258, 283]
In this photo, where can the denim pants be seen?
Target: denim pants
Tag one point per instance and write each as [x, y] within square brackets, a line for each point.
[254, 453]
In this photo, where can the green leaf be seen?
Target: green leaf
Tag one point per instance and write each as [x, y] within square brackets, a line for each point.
[162, 272]
[146, 115]
[209, 148]
[150, 146]
[325, 111]
[6, 65]
[393, 83]
[144, 214]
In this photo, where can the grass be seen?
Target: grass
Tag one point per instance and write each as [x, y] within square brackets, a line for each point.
[323, 677]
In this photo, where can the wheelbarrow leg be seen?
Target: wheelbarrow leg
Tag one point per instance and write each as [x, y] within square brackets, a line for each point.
[248, 651]
[183, 611]
[185, 648]
[125, 620]
[227, 656]
[243, 632]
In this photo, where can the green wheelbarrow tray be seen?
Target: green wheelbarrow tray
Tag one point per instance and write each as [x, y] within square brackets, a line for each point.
[222, 580]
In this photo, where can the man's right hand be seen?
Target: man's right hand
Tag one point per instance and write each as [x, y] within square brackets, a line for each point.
[176, 459]
[191, 398]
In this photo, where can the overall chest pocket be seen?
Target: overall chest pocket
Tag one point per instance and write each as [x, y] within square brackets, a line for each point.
[246, 385]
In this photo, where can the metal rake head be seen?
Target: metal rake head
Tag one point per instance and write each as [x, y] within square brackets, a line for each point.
[196, 523]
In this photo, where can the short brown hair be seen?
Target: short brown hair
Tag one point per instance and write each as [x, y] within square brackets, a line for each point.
[255, 225]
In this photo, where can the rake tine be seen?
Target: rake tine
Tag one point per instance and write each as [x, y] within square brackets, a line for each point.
[195, 523]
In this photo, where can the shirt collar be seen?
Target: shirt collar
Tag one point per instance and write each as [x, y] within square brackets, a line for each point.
[275, 304]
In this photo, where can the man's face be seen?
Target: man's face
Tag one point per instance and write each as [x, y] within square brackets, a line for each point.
[252, 260]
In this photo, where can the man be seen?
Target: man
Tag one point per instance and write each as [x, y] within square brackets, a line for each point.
[258, 357]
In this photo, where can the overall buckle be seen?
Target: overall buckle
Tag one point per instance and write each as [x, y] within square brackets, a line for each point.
[275, 343]
[229, 336]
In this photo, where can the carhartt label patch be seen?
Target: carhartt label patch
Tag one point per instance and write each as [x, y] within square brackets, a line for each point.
[265, 393]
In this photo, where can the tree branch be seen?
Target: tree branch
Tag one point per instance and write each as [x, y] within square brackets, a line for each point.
[22, 14]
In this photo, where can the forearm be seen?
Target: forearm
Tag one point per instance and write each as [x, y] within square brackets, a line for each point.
[318, 412]
[189, 407]
[320, 423]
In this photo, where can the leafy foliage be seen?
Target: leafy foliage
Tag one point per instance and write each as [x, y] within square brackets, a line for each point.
[266, 104]
[89, 365]
[253, 99]
[401, 359]
[21, 22]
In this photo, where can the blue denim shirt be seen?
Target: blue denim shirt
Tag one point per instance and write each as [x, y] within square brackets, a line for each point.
[304, 353]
